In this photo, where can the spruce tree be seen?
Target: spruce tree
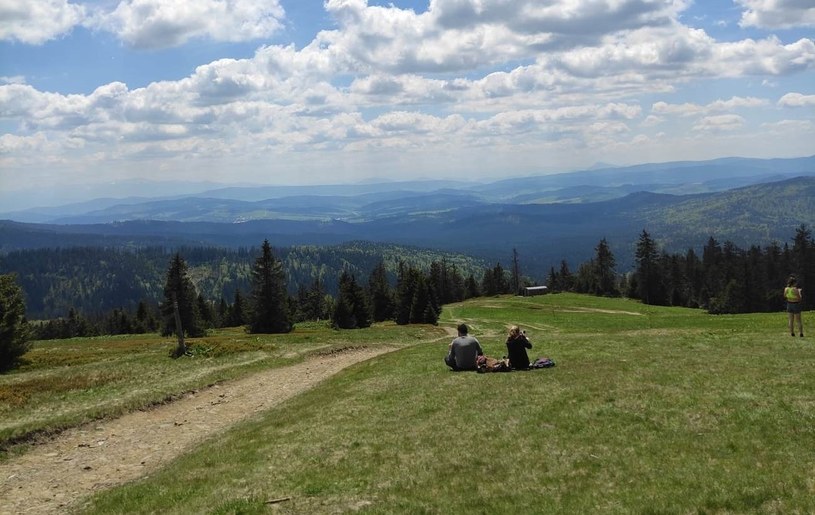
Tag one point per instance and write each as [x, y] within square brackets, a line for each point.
[359, 303]
[223, 313]
[803, 251]
[178, 287]
[551, 280]
[380, 294]
[405, 289]
[343, 315]
[351, 310]
[317, 307]
[649, 273]
[471, 289]
[269, 300]
[565, 277]
[604, 270]
[14, 330]
[237, 312]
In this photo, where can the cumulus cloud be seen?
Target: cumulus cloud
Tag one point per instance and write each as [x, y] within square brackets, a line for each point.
[724, 122]
[691, 109]
[777, 14]
[461, 74]
[796, 100]
[36, 21]
[467, 34]
[17, 79]
[143, 23]
[162, 24]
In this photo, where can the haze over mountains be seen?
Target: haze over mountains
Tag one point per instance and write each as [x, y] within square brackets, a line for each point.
[547, 218]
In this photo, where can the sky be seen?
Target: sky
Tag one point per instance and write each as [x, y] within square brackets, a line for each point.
[302, 92]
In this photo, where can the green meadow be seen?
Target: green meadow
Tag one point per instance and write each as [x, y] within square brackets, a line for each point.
[649, 410]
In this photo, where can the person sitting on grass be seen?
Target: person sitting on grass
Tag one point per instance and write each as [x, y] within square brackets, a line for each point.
[517, 344]
[464, 351]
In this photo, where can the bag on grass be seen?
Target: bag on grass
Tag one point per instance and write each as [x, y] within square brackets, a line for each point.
[488, 364]
[542, 363]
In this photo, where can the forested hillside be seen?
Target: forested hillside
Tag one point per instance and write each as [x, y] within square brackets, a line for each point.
[544, 234]
[100, 279]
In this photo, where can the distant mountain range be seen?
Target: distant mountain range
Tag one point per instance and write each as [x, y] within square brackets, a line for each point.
[546, 218]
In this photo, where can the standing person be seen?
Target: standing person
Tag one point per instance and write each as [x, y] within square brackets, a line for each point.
[792, 294]
[464, 351]
[517, 343]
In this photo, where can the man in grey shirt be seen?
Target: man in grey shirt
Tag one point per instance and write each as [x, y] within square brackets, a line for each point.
[463, 351]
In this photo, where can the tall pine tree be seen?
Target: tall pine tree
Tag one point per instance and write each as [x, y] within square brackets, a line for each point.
[14, 330]
[604, 270]
[179, 287]
[649, 272]
[269, 299]
[379, 291]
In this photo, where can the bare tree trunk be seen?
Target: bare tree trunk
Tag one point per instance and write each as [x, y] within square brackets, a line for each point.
[182, 347]
[516, 272]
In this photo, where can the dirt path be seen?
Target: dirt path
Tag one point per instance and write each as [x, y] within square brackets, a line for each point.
[57, 474]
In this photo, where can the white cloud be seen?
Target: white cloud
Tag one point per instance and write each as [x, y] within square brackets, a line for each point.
[790, 126]
[723, 122]
[777, 14]
[11, 143]
[490, 80]
[17, 79]
[468, 34]
[796, 100]
[36, 21]
[161, 24]
[690, 109]
[680, 53]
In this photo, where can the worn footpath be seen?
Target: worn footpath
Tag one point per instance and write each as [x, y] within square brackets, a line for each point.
[58, 474]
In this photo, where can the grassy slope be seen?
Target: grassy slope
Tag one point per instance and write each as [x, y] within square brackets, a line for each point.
[67, 382]
[651, 410]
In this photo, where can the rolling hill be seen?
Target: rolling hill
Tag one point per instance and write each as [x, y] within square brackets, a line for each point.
[456, 221]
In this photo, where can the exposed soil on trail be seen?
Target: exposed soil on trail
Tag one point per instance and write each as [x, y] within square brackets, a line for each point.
[58, 474]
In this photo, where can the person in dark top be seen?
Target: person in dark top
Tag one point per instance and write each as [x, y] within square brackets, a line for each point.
[463, 351]
[516, 349]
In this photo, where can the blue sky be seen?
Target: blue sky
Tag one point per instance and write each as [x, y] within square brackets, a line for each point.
[313, 92]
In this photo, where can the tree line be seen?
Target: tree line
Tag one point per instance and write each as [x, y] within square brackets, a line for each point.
[724, 279]
[415, 295]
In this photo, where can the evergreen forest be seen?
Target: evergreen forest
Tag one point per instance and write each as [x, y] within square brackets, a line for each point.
[85, 291]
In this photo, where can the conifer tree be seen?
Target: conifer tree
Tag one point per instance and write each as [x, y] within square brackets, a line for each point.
[207, 312]
[343, 315]
[803, 251]
[269, 300]
[351, 308]
[14, 330]
[178, 287]
[223, 313]
[551, 280]
[237, 312]
[604, 270]
[648, 272]
[405, 289]
[379, 291]
[515, 281]
[471, 289]
[565, 277]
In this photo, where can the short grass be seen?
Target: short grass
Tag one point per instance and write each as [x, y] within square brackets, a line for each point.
[649, 410]
[64, 383]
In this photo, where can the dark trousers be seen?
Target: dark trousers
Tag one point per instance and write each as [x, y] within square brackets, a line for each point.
[450, 361]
